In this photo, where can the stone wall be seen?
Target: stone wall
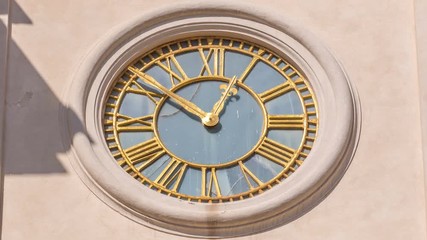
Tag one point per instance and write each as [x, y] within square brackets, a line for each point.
[381, 196]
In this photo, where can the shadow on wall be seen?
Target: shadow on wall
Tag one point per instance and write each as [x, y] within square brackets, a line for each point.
[32, 134]
[18, 15]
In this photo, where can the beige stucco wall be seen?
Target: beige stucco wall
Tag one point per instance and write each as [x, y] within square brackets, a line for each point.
[380, 197]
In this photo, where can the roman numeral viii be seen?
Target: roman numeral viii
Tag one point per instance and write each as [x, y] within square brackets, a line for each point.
[146, 153]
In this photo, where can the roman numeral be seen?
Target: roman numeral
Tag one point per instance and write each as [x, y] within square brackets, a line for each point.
[286, 121]
[137, 88]
[146, 153]
[276, 91]
[275, 152]
[209, 183]
[145, 123]
[249, 176]
[217, 56]
[248, 69]
[172, 175]
[169, 66]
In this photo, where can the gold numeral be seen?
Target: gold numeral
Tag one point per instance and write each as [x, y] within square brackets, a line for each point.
[172, 174]
[209, 184]
[138, 89]
[249, 175]
[286, 121]
[276, 91]
[146, 152]
[171, 60]
[275, 152]
[218, 62]
[128, 124]
[248, 69]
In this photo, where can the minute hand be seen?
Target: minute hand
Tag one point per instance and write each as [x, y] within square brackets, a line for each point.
[187, 105]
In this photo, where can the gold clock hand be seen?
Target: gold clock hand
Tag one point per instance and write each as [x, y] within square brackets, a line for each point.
[217, 108]
[187, 105]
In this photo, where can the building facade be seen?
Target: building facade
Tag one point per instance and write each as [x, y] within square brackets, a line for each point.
[378, 193]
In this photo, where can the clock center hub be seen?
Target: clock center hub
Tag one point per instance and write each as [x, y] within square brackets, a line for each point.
[210, 120]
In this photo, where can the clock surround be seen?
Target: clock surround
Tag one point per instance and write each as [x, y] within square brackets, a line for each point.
[337, 103]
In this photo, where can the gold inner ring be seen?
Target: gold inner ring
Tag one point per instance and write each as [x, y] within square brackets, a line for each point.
[202, 79]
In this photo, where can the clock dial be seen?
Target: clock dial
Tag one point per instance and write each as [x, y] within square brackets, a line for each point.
[210, 119]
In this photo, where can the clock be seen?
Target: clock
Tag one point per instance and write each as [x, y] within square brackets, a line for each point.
[210, 119]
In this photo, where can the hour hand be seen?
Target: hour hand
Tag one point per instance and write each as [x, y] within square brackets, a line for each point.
[187, 105]
[229, 91]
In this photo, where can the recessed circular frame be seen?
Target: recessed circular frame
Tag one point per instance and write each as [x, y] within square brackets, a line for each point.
[263, 136]
[336, 122]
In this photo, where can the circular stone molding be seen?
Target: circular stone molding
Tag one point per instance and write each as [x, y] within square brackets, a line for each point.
[331, 154]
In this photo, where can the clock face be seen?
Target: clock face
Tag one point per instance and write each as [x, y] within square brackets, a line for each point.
[210, 119]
